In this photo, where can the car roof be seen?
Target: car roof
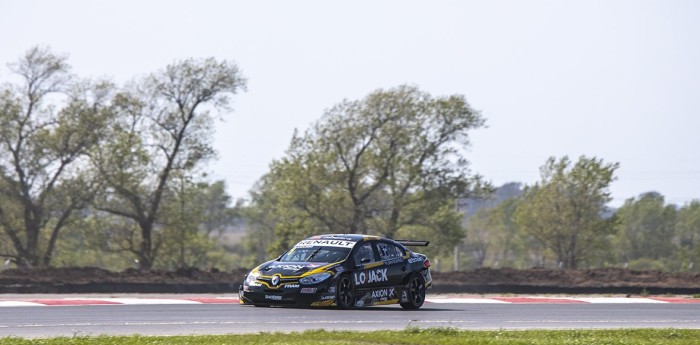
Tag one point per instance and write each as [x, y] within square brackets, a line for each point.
[344, 237]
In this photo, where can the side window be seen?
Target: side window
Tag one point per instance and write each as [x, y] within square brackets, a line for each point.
[388, 251]
[364, 251]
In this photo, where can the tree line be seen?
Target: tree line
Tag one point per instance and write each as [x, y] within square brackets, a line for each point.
[121, 161]
[562, 222]
[98, 174]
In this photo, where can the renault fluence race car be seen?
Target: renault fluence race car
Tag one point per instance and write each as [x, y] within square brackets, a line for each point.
[345, 271]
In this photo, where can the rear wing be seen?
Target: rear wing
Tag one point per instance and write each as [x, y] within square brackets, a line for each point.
[413, 243]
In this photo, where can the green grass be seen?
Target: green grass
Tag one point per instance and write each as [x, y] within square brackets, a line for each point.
[409, 336]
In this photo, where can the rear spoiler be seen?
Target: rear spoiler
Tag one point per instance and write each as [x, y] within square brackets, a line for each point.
[413, 243]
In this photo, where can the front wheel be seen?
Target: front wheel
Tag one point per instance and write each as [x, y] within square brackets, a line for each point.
[416, 292]
[345, 292]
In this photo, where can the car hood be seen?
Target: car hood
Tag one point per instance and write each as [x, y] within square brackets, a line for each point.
[288, 268]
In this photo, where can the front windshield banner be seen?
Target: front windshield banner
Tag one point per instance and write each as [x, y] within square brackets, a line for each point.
[327, 243]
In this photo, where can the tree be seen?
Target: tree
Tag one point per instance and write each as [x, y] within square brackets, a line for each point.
[194, 217]
[163, 130]
[378, 165]
[479, 235]
[563, 210]
[688, 233]
[47, 124]
[217, 212]
[646, 227]
[493, 237]
[262, 214]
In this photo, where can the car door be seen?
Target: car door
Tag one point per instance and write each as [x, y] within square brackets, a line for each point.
[392, 257]
[367, 273]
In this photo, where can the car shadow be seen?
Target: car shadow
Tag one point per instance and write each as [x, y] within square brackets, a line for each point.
[367, 309]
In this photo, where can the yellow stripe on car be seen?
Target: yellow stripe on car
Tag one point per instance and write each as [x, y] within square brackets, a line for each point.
[373, 265]
[326, 303]
[391, 301]
[314, 271]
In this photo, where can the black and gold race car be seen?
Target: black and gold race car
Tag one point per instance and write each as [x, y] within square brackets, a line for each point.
[346, 271]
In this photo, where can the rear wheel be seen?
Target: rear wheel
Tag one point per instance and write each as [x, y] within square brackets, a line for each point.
[345, 292]
[415, 292]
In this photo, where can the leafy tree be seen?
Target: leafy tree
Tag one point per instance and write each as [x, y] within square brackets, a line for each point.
[190, 237]
[163, 130]
[493, 236]
[479, 235]
[217, 211]
[194, 217]
[646, 227]
[378, 165]
[440, 223]
[48, 121]
[85, 242]
[688, 233]
[563, 210]
[262, 214]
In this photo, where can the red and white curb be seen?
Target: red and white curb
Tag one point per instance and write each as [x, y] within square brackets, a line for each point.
[113, 301]
[461, 300]
[563, 300]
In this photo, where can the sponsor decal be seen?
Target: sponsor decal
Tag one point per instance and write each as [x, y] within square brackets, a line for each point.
[255, 283]
[327, 297]
[416, 259]
[274, 297]
[371, 276]
[291, 286]
[393, 261]
[360, 303]
[404, 297]
[383, 293]
[331, 289]
[308, 290]
[288, 267]
[326, 243]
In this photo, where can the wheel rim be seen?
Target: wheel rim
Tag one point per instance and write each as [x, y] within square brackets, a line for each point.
[417, 291]
[345, 292]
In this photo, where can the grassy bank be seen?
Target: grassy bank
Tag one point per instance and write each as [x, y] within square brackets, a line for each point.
[408, 337]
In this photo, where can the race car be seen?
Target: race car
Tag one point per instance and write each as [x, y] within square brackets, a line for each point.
[341, 270]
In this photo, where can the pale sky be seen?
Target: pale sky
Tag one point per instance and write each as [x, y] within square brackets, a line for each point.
[614, 79]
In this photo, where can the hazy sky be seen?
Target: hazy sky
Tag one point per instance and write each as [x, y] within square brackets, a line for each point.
[619, 80]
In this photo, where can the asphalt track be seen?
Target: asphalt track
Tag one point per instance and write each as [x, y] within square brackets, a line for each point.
[208, 317]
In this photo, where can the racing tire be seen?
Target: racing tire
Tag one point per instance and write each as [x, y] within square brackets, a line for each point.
[345, 292]
[415, 291]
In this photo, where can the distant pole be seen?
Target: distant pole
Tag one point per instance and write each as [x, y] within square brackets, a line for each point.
[456, 256]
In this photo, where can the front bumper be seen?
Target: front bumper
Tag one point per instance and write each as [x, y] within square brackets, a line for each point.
[313, 295]
[286, 298]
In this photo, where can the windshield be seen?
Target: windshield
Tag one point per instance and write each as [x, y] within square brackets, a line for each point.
[315, 254]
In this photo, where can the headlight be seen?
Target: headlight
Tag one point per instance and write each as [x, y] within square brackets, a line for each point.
[315, 278]
[252, 277]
